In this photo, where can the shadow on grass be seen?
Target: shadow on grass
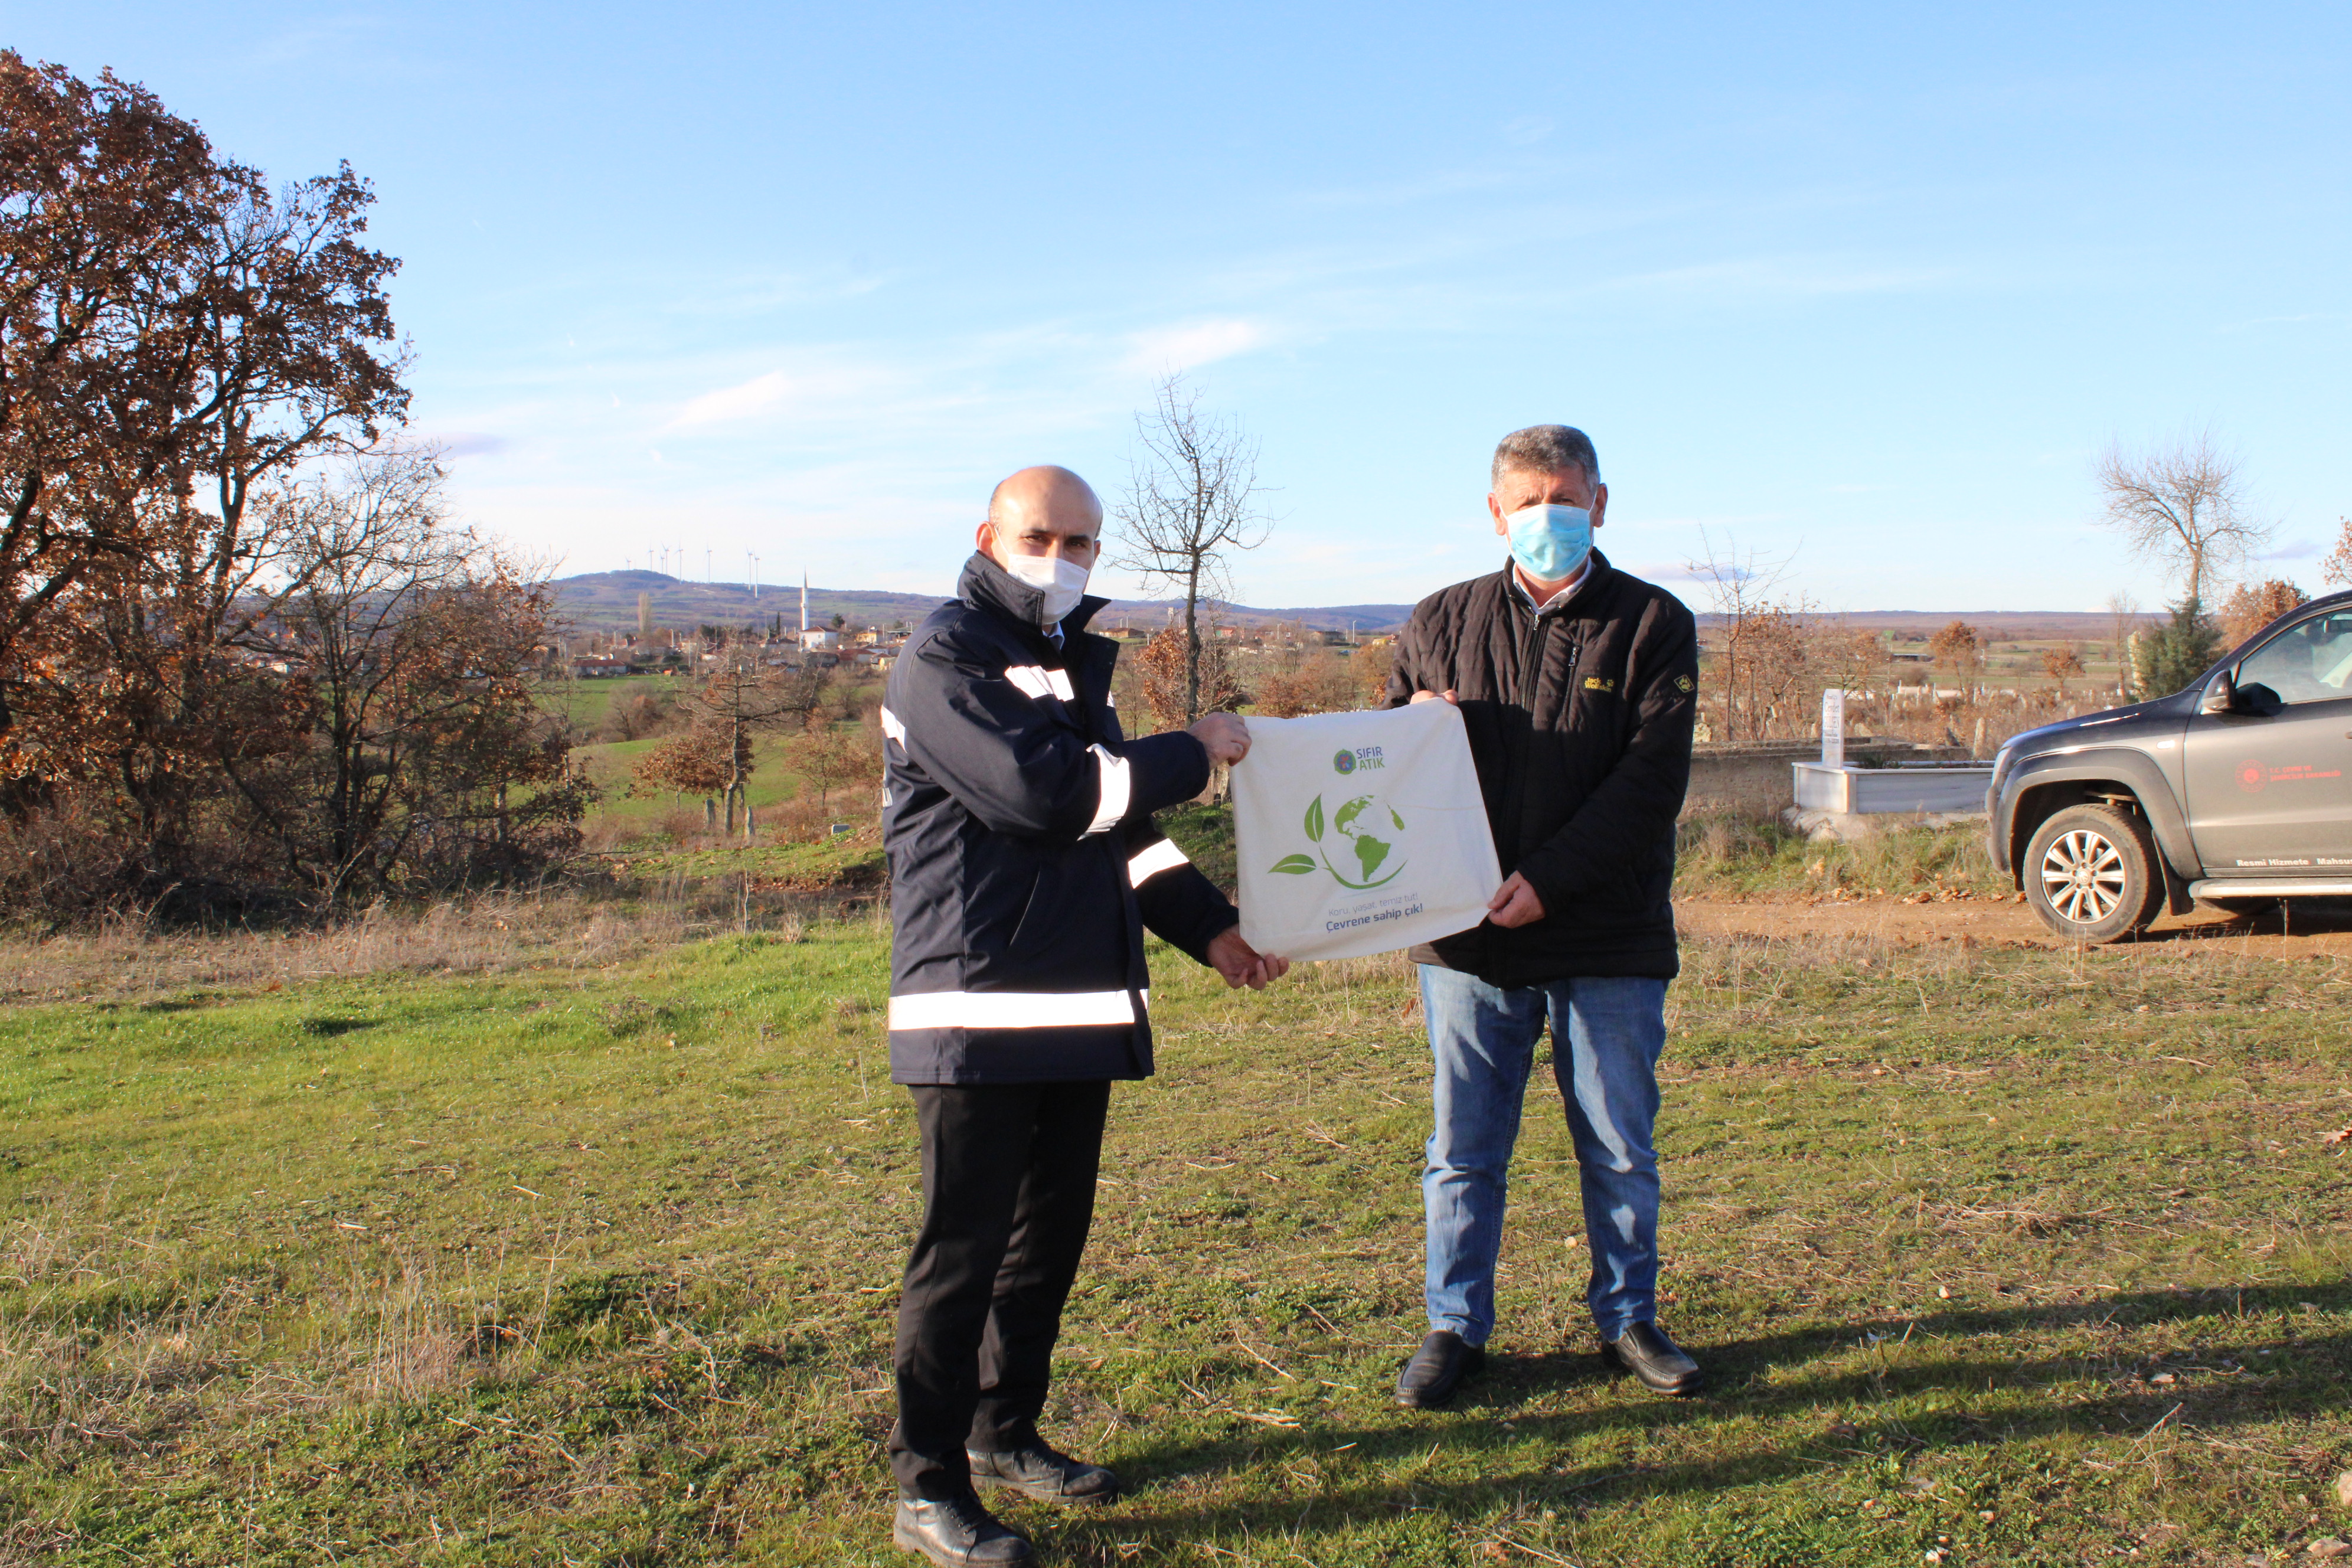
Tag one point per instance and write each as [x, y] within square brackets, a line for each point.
[328, 1028]
[2317, 1367]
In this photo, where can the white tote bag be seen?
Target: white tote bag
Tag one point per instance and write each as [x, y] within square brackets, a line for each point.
[1360, 832]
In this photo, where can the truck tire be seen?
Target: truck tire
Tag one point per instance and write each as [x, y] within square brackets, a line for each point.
[2091, 874]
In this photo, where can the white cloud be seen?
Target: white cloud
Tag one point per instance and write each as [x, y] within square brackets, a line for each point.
[1181, 348]
[729, 402]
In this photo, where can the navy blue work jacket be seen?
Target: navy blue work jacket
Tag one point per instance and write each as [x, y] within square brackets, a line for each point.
[1025, 864]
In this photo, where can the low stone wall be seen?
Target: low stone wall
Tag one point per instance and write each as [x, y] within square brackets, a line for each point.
[1757, 780]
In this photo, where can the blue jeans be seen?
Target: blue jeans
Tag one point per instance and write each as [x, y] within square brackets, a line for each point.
[1606, 1037]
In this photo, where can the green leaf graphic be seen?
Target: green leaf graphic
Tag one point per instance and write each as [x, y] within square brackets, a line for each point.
[1315, 819]
[1293, 865]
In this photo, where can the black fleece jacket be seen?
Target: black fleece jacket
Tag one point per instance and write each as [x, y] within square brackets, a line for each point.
[1579, 720]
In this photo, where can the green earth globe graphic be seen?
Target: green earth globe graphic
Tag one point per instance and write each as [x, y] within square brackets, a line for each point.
[1357, 822]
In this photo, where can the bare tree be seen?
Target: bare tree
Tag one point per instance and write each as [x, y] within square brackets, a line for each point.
[376, 726]
[2182, 506]
[1191, 499]
[741, 697]
[831, 756]
[1739, 586]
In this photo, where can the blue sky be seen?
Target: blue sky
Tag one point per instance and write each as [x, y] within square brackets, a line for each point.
[1871, 286]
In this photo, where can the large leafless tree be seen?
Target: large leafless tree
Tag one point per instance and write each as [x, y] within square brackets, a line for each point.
[2182, 505]
[1191, 500]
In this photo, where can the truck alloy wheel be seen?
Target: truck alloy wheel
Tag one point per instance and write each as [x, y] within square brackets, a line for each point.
[2091, 873]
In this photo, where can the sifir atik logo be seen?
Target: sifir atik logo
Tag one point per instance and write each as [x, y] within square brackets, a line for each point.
[1365, 829]
[1364, 757]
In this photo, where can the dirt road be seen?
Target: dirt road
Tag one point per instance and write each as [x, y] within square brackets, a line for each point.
[2308, 928]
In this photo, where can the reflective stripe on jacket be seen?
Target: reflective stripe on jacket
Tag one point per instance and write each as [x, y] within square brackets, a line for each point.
[1579, 718]
[1025, 864]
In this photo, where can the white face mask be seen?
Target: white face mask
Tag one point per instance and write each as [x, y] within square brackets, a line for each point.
[1064, 583]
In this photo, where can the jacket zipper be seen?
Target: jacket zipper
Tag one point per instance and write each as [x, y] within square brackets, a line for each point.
[1529, 671]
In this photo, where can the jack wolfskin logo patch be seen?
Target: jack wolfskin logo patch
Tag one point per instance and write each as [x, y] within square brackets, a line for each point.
[1597, 683]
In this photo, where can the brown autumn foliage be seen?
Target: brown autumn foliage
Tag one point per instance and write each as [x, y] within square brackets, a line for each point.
[358, 717]
[173, 340]
[244, 658]
[837, 758]
[1319, 682]
[2336, 566]
[2251, 607]
[2061, 664]
[1772, 654]
[1957, 648]
[1162, 663]
[641, 715]
[695, 763]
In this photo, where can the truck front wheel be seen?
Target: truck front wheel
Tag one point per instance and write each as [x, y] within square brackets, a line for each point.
[2091, 873]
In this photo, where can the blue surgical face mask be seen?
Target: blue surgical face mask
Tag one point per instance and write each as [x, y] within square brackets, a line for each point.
[1549, 541]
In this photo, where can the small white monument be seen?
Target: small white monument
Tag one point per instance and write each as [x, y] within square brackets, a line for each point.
[1832, 785]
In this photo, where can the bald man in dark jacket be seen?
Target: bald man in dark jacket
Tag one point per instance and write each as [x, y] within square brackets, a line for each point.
[1024, 870]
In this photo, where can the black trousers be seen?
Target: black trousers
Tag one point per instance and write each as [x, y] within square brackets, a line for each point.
[1008, 1195]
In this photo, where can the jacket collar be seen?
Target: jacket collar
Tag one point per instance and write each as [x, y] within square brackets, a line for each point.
[986, 585]
[1516, 590]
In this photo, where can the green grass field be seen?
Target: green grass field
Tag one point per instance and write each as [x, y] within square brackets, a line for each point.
[2010, 1256]
[629, 813]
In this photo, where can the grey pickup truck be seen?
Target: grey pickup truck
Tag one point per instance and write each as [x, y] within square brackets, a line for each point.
[2234, 791]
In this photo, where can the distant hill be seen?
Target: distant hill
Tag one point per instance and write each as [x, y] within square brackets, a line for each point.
[607, 602]
[1994, 625]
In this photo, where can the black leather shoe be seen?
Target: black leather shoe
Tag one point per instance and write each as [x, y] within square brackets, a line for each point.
[1441, 1364]
[957, 1533]
[1644, 1350]
[1037, 1471]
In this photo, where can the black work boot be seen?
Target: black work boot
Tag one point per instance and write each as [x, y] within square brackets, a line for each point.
[1038, 1472]
[1439, 1365]
[1644, 1350]
[957, 1533]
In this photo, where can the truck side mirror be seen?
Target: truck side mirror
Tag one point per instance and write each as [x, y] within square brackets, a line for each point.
[2258, 700]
